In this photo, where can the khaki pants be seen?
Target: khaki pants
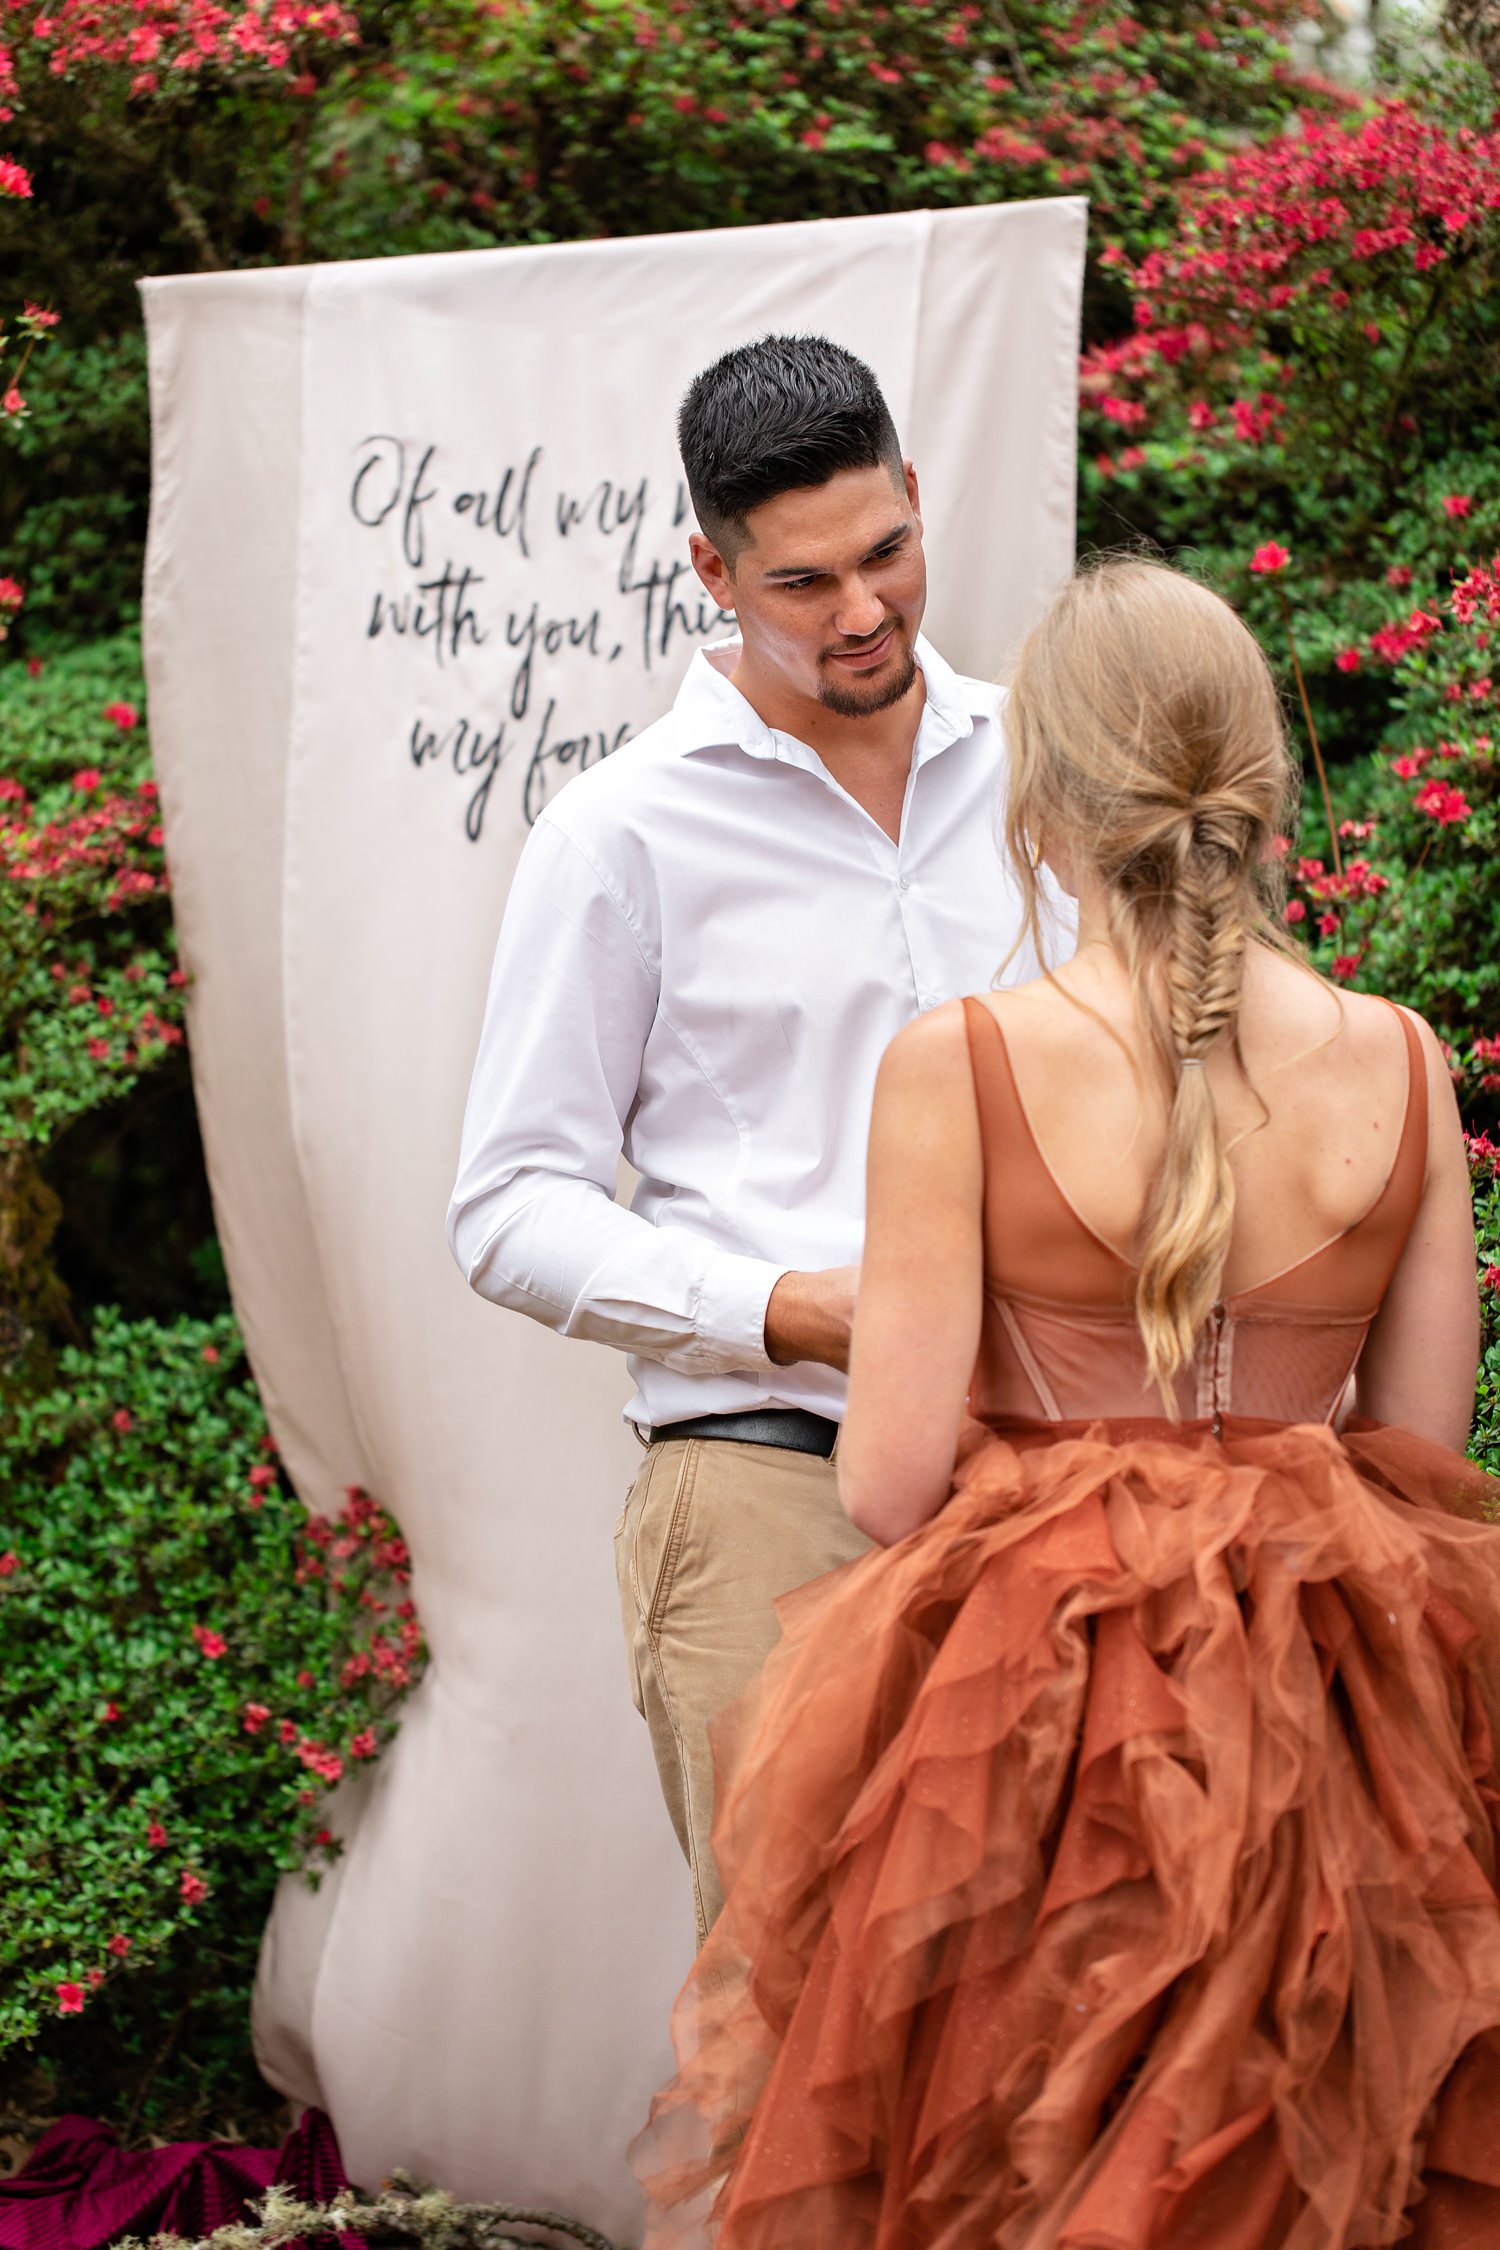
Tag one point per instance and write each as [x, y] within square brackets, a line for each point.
[713, 1532]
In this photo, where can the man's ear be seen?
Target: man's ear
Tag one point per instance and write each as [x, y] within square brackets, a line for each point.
[909, 479]
[712, 569]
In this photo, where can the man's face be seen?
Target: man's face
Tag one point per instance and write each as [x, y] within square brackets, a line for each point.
[829, 590]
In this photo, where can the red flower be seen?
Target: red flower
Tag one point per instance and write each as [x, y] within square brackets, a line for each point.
[70, 1999]
[109, 1716]
[363, 1744]
[193, 1887]
[256, 1715]
[287, 1732]
[12, 403]
[9, 1561]
[156, 1835]
[1347, 660]
[1344, 966]
[212, 1644]
[1443, 803]
[90, 778]
[1457, 503]
[125, 715]
[98, 1050]
[1269, 560]
[15, 180]
[118, 1945]
[210, 1351]
[122, 1418]
[262, 1473]
[1491, 1277]
[1399, 574]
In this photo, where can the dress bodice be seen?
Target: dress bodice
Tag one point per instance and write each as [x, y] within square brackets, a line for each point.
[1059, 1340]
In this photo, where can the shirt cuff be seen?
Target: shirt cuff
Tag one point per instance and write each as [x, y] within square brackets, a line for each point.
[731, 1321]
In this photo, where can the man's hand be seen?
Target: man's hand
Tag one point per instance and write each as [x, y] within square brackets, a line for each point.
[811, 1316]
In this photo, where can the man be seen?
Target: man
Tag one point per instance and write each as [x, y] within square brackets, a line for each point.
[709, 941]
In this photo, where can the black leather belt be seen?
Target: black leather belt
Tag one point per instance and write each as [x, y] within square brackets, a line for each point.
[789, 1426]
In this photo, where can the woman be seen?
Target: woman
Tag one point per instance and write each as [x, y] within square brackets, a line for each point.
[1112, 1853]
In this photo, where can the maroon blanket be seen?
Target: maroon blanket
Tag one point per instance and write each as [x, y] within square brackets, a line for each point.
[81, 2190]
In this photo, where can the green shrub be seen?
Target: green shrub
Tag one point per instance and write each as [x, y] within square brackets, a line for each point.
[190, 1666]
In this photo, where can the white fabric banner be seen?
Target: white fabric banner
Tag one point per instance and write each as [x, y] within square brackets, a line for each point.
[418, 555]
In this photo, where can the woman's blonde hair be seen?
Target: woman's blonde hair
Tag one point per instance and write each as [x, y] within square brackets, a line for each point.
[1147, 740]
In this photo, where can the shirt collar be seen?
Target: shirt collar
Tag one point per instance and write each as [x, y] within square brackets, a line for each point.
[715, 715]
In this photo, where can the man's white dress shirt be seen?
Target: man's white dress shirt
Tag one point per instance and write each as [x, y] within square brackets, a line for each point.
[707, 947]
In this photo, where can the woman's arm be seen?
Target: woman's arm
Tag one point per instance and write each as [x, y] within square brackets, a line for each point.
[916, 1322]
[1418, 1365]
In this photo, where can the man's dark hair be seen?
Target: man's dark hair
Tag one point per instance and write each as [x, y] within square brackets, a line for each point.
[779, 415]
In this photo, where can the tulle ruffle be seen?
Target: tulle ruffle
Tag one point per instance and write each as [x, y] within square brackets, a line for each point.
[1112, 1866]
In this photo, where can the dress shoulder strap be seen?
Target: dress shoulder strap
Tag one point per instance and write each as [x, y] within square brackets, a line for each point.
[1403, 1188]
[1034, 1238]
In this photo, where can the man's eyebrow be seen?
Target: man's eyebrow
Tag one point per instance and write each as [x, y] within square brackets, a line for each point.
[813, 570]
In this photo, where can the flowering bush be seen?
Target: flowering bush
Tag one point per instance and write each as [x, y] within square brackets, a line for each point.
[190, 1666]
[1309, 368]
[90, 992]
[157, 40]
[538, 122]
[1484, 1169]
[1406, 899]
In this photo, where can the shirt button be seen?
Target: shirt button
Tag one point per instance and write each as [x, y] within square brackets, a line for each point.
[903, 882]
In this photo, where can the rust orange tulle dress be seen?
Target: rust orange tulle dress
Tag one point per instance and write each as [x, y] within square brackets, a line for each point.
[1111, 1864]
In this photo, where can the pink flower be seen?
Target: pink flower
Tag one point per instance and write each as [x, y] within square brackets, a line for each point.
[95, 1979]
[1344, 966]
[256, 1715]
[1457, 503]
[12, 403]
[156, 1835]
[1328, 925]
[210, 1351]
[14, 180]
[110, 1715]
[1201, 415]
[262, 1473]
[193, 1887]
[89, 778]
[118, 1945]
[122, 1418]
[363, 1744]
[9, 1561]
[1295, 910]
[98, 1050]
[1269, 560]
[1491, 1277]
[212, 1644]
[125, 715]
[1398, 575]
[70, 1999]
[1347, 660]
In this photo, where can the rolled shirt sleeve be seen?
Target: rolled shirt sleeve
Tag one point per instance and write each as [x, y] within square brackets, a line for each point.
[533, 1221]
